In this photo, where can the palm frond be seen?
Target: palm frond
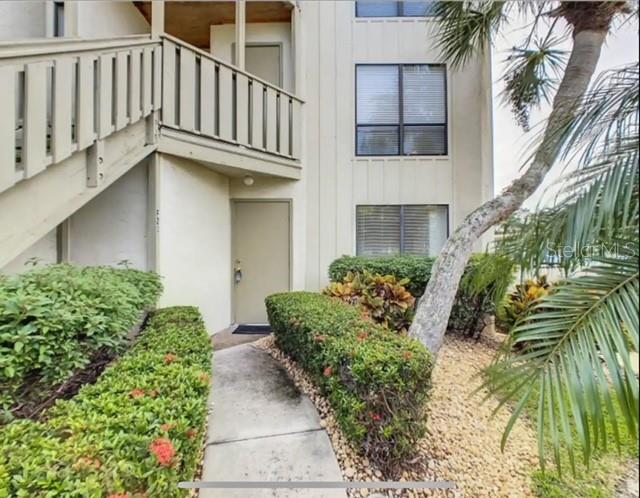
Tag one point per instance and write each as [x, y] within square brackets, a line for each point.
[531, 76]
[465, 28]
[576, 362]
[598, 203]
[607, 114]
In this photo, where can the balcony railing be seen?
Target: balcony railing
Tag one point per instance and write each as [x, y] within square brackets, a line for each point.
[209, 97]
[61, 96]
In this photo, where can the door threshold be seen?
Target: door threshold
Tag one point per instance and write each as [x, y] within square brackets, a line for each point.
[253, 328]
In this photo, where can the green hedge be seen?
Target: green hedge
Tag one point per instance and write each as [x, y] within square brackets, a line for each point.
[376, 380]
[483, 284]
[138, 430]
[52, 321]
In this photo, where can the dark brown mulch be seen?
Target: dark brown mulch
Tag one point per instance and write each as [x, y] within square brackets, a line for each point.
[36, 397]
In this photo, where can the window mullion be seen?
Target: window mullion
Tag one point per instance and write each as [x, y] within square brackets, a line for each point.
[400, 8]
[400, 111]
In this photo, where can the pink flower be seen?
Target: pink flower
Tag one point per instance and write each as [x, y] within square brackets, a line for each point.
[164, 451]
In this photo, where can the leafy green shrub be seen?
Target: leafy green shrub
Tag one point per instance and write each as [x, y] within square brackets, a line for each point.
[53, 320]
[137, 432]
[417, 269]
[382, 299]
[483, 284]
[376, 380]
[521, 302]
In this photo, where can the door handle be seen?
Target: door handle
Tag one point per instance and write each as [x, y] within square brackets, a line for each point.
[237, 273]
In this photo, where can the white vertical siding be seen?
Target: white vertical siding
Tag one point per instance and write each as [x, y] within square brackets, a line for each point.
[336, 179]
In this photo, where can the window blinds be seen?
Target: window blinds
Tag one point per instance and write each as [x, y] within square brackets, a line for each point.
[401, 109]
[400, 229]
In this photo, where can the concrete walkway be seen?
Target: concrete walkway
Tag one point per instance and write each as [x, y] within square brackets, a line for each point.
[263, 429]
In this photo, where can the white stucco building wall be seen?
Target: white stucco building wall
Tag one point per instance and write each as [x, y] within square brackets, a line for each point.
[100, 18]
[112, 228]
[20, 20]
[43, 252]
[194, 239]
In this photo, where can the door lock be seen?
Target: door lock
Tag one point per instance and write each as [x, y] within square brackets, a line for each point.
[237, 273]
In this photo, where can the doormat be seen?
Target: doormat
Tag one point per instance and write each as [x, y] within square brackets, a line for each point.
[253, 329]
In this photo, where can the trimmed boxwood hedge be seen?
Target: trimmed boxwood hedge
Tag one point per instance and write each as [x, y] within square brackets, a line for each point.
[137, 432]
[376, 380]
[483, 284]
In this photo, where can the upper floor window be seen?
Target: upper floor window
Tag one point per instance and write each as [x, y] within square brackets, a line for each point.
[401, 109]
[383, 230]
[377, 8]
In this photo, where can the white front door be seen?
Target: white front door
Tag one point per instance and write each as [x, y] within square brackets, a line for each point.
[261, 256]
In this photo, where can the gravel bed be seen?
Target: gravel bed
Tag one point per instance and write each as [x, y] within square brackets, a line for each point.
[463, 440]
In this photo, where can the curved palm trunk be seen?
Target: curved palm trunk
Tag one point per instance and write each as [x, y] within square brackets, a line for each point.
[434, 308]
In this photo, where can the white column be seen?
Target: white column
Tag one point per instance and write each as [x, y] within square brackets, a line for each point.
[240, 32]
[153, 211]
[157, 18]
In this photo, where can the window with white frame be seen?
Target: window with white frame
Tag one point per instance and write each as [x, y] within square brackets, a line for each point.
[418, 229]
[401, 109]
[377, 8]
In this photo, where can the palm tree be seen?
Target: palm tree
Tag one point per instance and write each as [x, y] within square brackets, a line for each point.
[576, 366]
[537, 72]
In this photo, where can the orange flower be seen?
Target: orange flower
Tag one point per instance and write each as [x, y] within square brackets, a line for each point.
[362, 336]
[376, 417]
[137, 393]
[126, 495]
[320, 338]
[328, 372]
[153, 394]
[167, 427]
[164, 451]
[407, 355]
[204, 377]
[192, 433]
[170, 358]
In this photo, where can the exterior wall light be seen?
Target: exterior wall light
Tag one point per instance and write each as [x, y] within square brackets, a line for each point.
[248, 180]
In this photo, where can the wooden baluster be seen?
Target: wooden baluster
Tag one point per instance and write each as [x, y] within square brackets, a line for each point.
[105, 95]
[257, 115]
[34, 147]
[284, 125]
[187, 89]
[134, 85]
[8, 75]
[169, 83]
[225, 79]
[272, 123]
[296, 128]
[147, 81]
[122, 119]
[242, 109]
[207, 97]
[157, 78]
